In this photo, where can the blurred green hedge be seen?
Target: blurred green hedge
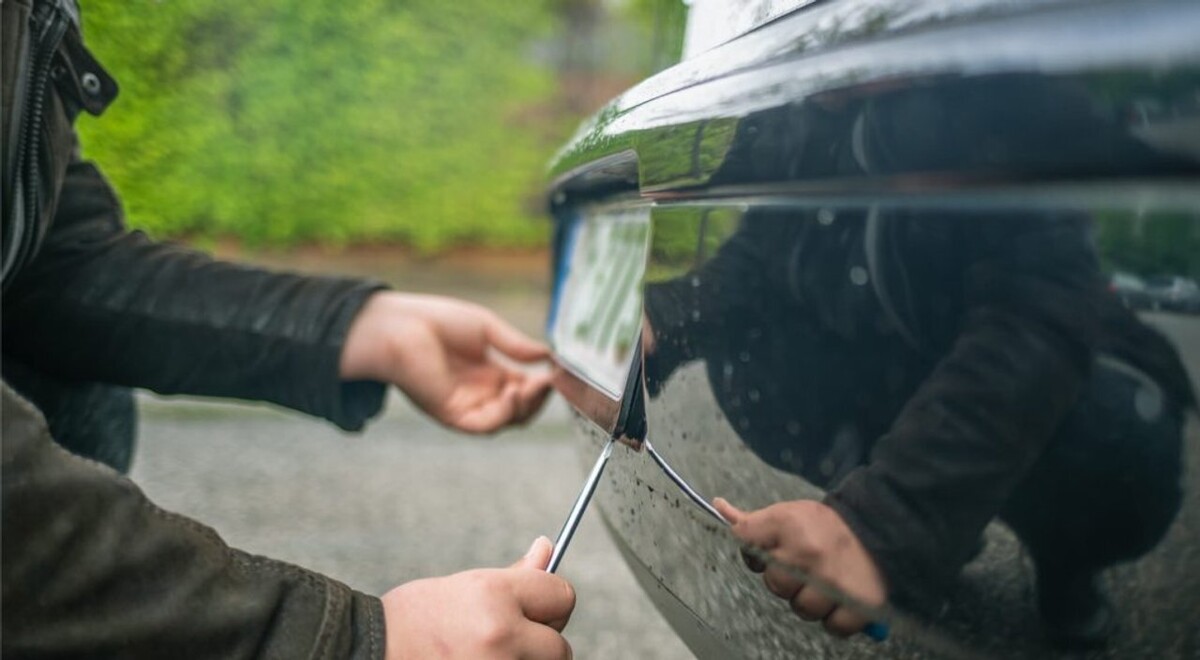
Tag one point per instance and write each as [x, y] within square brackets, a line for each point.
[422, 122]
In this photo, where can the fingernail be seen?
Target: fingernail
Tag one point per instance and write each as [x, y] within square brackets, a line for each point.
[533, 548]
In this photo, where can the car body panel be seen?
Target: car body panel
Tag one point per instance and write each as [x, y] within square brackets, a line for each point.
[817, 202]
[678, 131]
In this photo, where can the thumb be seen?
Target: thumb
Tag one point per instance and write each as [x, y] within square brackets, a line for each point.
[538, 555]
[733, 514]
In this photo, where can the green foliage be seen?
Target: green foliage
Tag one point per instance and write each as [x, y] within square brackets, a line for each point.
[282, 121]
[1164, 243]
[665, 21]
[685, 236]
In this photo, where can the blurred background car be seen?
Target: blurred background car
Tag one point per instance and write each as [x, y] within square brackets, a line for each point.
[1131, 289]
[772, 261]
[1173, 293]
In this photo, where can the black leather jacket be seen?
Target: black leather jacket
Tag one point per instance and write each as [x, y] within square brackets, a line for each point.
[90, 567]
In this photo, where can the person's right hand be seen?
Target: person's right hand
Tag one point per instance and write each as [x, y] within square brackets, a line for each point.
[515, 612]
[812, 537]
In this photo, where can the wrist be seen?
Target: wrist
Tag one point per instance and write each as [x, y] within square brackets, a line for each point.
[369, 341]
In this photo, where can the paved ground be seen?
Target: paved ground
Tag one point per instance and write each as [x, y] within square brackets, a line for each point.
[405, 500]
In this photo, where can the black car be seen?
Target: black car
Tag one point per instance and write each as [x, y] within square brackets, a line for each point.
[847, 260]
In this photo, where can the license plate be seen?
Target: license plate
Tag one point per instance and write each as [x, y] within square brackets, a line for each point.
[596, 311]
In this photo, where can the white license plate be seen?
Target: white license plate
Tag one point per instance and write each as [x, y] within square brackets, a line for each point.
[596, 312]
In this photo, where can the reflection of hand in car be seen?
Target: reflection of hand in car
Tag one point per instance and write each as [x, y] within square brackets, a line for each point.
[813, 538]
[649, 345]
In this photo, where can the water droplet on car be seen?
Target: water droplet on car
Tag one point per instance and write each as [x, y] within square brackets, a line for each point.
[695, 315]
[1148, 404]
[744, 357]
[793, 427]
[826, 216]
[754, 395]
[696, 281]
[858, 275]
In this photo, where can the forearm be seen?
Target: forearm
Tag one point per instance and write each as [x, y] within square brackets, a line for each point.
[957, 450]
[93, 568]
[104, 304]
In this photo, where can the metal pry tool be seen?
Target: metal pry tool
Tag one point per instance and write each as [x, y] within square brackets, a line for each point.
[580, 506]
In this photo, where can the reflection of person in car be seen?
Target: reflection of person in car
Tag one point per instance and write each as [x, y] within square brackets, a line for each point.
[934, 371]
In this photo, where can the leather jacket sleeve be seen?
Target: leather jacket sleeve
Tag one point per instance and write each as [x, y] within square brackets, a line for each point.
[105, 304]
[92, 568]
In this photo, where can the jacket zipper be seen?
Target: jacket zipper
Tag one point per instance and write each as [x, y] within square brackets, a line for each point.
[49, 22]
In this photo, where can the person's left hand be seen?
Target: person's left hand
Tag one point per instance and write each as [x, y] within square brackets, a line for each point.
[813, 538]
[455, 360]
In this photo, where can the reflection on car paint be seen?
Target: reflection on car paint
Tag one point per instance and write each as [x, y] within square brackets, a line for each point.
[683, 485]
[937, 278]
[1131, 54]
[810, 371]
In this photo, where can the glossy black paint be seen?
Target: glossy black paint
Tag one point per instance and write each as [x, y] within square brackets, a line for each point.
[881, 243]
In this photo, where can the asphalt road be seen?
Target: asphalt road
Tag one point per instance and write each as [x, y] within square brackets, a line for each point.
[407, 499]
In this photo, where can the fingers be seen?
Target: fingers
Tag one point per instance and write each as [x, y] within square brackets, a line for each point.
[811, 604]
[492, 414]
[537, 557]
[814, 540]
[845, 621]
[513, 343]
[649, 343]
[731, 512]
[488, 613]
[532, 395]
[543, 597]
[543, 643]
[780, 582]
[760, 528]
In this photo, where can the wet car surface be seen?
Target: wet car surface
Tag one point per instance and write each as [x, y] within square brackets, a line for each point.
[861, 254]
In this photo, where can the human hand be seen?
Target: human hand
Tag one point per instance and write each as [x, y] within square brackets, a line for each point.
[448, 357]
[517, 612]
[649, 342]
[813, 538]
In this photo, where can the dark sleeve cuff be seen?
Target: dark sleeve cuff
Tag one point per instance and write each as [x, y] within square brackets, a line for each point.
[916, 573]
[322, 392]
